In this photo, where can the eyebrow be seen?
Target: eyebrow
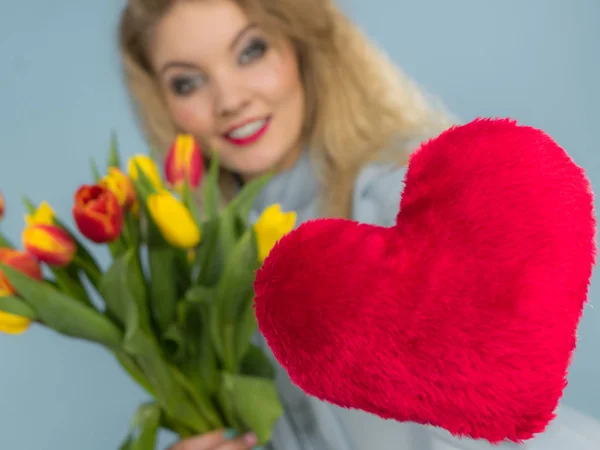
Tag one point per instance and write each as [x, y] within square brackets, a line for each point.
[241, 34]
[188, 65]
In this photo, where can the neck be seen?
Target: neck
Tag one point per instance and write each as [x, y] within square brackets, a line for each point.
[287, 162]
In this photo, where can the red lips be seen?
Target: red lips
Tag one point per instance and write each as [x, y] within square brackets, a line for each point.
[250, 139]
[464, 314]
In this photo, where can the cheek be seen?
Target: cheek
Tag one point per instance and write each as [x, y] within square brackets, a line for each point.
[191, 117]
[280, 80]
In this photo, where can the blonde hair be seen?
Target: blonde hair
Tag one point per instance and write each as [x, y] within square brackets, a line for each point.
[360, 108]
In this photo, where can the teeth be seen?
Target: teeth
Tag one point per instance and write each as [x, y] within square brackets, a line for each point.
[247, 130]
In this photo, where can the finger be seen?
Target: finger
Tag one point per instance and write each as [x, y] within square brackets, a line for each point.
[245, 442]
[205, 441]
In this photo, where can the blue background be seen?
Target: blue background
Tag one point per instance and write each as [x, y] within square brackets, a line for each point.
[61, 94]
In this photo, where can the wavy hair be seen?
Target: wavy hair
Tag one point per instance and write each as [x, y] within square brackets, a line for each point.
[360, 108]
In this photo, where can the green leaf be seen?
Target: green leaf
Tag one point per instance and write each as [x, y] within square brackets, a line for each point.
[201, 365]
[257, 403]
[143, 184]
[5, 242]
[29, 205]
[143, 431]
[211, 188]
[190, 203]
[209, 257]
[256, 364]
[132, 368]
[174, 342]
[201, 399]
[95, 171]
[83, 257]
[68, 281]
[234, 290]
[127, 443]
[15, 305]
[62, 313]
[123, 286]
[140, 343]
[163, 295]
[113, 158]
[242, 204]
[246, 327]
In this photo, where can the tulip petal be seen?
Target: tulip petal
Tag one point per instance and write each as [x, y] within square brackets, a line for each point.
[2, 206]
[43, 215]
[97, 213]
[49, 244]
[120, 185]
[270, 227]
[21, 261]
[13, 324]
[146, 165]
[184, 162]
[174, 220]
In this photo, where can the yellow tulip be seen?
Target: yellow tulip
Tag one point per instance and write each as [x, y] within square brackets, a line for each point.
[120, 185]
[148, 166]
[49, 244]
[43, 215]
[13, 324]
[270, 227]
[173, 219]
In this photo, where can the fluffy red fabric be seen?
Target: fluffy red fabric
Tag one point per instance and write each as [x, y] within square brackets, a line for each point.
[464, 314]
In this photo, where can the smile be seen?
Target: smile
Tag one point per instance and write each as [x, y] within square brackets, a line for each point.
[248, 133]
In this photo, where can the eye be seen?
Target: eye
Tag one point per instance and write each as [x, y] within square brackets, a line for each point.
[255, 50]
[185, 85]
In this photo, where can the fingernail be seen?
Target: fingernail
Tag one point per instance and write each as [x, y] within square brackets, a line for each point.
[250, 439]
[230, 433]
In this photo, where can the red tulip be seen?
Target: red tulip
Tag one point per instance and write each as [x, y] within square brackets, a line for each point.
[49, 244]
[2, 206]
[23, 262]
[97, 213]
[184, 162]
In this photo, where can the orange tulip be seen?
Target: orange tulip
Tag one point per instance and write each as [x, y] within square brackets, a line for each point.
[22, 261]
[97, 213]
[120, 185]
[184, 162]
[49, 244]
[2, 206]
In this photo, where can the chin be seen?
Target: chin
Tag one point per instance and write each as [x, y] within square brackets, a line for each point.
[252, 162]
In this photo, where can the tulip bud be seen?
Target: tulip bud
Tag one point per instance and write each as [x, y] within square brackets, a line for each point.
[49, 244]
[271, 226]
[174, 220]
[13, 324]
[120, 185]
[43, 215]
[148, 166]
[2, 207]
[21, 261]
[184, 162]
[97, 213]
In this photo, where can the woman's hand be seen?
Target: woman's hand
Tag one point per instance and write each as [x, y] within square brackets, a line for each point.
[219, 440]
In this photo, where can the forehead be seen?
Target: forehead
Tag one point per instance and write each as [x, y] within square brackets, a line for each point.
[193, 29]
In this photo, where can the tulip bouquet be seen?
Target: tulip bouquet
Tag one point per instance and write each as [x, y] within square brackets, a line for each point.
[175, 304]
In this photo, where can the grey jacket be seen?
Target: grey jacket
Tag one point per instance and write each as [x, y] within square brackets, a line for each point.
[308, 423]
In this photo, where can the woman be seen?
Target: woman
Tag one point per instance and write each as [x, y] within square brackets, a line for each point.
[290, 86]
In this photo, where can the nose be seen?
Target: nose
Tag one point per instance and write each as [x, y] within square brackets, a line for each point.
[231, 96]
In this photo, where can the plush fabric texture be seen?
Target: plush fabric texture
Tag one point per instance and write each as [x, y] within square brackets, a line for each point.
[464, 314]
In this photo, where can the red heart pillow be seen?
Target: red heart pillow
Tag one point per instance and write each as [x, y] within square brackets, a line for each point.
[464, 314]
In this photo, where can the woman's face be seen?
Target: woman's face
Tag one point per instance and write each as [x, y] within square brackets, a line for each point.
[226, 83]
